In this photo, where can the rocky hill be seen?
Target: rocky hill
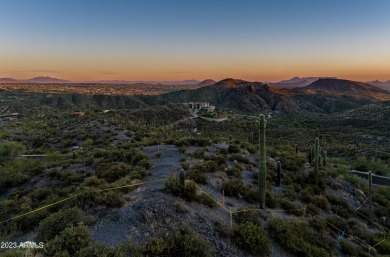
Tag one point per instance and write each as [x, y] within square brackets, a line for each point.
[342, 85]
[238, 95]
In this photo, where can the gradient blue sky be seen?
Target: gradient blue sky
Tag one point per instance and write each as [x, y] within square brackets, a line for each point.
[174, 40]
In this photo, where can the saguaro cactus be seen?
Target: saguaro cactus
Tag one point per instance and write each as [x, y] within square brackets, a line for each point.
[310, 155]
[296, 149]
[325, 156]
[182, 177]
[370, 194]
[262, 160]
[278, 173]
[316, 159]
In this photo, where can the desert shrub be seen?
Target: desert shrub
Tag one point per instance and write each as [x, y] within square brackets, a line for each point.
[137, 156]
[240, 158]
[238, 166]
[185, 165]
[293, 208]
[233, 187]
[306, 195]
[252, 238]
[10, 149]
[183, 243]
[112, 199]
[206, 200]
[233, 149]
[247, 216]
[199, 154]
[183, 142]
[197, 176]
[145, 164]
[190, 191]
[137, 173]
[270, 200]
[199, 141]
[250, 195]
[251, 148]
[100, 250]
[235, 173]
[290, 193]
[90, 198]
[173, 186]
[340, 211]
[71, 240]
[113, 172]
[32, 220]
[370, 164]
[291, 161]
[57, 222]
[318, 224]
[127, 249]
[155, 247]
[182, 148]
[40, 194]
[212, 166]
[348, 248]
[338, 223]
[320, 202]
[337, 201]
[220, 160]
[223, 151]
[159, 154]
[94, 182]
[311, 208]
[16, 172]
[297, 237]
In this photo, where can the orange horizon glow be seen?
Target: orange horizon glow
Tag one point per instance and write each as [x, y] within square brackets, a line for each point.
[167, 70]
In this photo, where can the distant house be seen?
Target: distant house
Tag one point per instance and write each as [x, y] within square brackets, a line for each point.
[197, 105]
[200, 105]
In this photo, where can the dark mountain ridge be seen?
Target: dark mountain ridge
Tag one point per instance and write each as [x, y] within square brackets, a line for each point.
[238, 95]
[342, 85]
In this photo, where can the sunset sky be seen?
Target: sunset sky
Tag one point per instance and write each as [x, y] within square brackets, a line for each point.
[176, 40]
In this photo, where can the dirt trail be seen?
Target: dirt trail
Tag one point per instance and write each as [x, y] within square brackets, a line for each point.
[152, 212]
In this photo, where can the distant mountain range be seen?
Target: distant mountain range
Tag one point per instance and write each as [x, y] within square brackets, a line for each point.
[48, 80]
[377, 83]
[295, 82]
[34, 80]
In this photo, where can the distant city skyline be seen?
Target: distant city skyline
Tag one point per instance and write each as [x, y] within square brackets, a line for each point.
[180, 40]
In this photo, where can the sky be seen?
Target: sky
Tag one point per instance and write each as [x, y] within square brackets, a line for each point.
[176, 40]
